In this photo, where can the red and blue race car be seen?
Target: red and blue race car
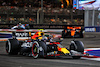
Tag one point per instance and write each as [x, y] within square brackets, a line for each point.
[41, 45]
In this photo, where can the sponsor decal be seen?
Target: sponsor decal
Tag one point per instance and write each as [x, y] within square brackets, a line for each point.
[52, 53]
[27, 44]
[90, 29]
[24, 34]
[20, 34]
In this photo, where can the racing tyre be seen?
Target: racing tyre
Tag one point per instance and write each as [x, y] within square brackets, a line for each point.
[43, 52]
[12, 46]
[81, 34]
[35, 50]
[77, 46]
[63, 34]
[44, 46]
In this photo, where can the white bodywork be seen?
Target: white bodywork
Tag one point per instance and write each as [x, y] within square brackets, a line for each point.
[27, 44]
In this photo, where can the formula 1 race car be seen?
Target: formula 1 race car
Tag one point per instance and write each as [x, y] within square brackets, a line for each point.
[21, 26]
[41, 45]
[74, 32]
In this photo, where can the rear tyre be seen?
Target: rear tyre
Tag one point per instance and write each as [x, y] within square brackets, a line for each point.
[63, 34]
[81, 34]
[12, 46]
[45, 49]
[44, 46]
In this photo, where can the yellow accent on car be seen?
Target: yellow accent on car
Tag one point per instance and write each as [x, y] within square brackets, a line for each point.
[29, 33]
[54, 52]
[40, 33]
[40, 38]
[64, 50]
[41, 30]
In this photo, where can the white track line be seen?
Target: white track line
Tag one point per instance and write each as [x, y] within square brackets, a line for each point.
[95, 59]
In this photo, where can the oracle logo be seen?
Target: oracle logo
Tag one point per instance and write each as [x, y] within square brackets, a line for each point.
[22, 34]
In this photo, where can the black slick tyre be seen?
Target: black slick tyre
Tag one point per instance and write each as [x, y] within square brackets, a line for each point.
[44, 46]
[77, 46]
[12, 46]
[63, 34]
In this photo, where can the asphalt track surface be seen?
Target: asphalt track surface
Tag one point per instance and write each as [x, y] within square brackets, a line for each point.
[91, 41]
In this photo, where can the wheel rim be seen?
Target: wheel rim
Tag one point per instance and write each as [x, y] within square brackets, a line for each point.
[35, 50]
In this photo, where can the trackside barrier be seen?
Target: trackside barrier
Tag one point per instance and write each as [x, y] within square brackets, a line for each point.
[7, 39]
[32, 30]
[22, 34]
[93, 52]
[38, 26]
[92, 29]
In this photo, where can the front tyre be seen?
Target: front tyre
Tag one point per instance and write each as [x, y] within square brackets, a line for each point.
[35, 50]
[77, 47]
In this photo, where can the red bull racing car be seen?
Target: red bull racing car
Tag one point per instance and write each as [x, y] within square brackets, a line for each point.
[41, 45]
[72, 32]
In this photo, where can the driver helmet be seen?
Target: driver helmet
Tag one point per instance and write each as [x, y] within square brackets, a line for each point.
[20, 24]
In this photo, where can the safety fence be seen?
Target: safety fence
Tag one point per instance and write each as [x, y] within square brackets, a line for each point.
[38, 26]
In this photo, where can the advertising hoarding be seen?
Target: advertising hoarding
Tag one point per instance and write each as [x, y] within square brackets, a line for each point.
[86, 4]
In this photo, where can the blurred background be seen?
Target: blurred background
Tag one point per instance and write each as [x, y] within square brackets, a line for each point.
[53, 12]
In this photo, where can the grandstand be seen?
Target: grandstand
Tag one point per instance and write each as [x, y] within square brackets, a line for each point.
[25, 11]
